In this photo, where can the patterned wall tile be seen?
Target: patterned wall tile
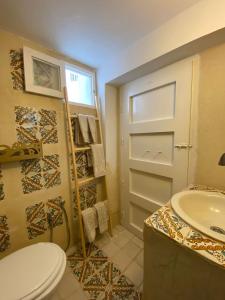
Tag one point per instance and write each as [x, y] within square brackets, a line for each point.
[83, 168]
[17, 69]
[32, 183]
[26, 124]
[4, 234]
[51, 171]
[33, 125]
[48, 125]
[2, 194]
[55, 211]
[40, 173]
[36, 220]
[88, 197]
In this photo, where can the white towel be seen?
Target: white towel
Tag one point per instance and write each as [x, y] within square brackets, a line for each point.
[90, 223]
[83, 122]
[98, 160]
[103, 217]
[93, 129]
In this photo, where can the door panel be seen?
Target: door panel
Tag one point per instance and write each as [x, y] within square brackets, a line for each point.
[152, 147]
[154, 119]
[154, 104]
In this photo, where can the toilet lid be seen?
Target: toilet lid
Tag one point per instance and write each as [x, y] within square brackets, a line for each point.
[29, 269]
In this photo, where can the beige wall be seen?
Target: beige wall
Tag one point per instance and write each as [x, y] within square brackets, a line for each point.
[211, 118]
[14, 204]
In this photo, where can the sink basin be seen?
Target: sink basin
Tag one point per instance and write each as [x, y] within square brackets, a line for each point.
[205, 211]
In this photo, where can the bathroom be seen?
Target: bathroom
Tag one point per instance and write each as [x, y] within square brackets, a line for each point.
[159, 124]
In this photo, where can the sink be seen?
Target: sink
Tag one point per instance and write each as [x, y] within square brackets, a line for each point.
[205, 211]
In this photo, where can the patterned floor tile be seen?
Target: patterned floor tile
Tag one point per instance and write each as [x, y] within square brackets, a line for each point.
[4, 234]
[99, 277]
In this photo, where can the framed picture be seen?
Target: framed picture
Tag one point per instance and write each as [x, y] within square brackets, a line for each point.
[43, 73]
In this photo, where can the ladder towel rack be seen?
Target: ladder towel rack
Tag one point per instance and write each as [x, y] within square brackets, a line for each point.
[81, 181]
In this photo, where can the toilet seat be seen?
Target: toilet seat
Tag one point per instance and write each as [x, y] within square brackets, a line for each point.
[32, 272]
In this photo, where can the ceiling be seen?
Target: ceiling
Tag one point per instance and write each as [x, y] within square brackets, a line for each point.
[90, 31]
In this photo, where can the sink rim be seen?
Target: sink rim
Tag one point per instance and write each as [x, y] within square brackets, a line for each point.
[175, 203]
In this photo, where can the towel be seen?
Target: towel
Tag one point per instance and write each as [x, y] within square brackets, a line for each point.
[103, 217]
[83, 122]
[98, 160]
[90, 223]
[77, 136]
[93, 129]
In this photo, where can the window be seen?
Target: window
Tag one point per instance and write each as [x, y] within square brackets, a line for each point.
[80, 85]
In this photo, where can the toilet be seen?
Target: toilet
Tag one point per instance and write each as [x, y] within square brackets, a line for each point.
[32, 272]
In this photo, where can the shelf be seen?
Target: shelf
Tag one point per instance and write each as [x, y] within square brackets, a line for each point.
[85, 180]
[78, 149]
[20, 151]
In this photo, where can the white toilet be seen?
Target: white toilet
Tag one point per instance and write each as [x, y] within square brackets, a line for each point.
[32, 272]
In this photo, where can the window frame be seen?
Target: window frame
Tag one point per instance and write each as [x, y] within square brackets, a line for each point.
[85, 71]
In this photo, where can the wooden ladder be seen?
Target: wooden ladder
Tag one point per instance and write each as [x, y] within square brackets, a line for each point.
[79, 182]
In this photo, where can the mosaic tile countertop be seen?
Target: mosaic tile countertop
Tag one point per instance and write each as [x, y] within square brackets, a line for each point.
[166, 221]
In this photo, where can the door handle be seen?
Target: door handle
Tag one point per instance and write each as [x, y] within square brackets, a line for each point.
[183, 146]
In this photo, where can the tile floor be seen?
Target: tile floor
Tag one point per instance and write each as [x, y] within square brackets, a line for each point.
[113, 270]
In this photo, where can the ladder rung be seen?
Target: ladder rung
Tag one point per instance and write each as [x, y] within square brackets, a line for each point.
[85, 180]
[76, 116]
[77, 149]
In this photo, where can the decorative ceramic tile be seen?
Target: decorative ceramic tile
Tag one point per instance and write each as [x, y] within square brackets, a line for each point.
[48, 125]
[50, 162]
[88, 197]
[208, 247]
[166, 221]
[99, 277]
[2, 194]
[31, 166]
[33, 125]
[83, 169]
[52, 179]
[55, 211]
[36, 220]
[17, 69]
[40, 173]
[32, 183]
[4, 234]
[196, 187]
[51, 171]
[26, 124]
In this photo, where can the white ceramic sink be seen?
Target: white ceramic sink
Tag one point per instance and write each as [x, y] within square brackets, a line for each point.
[204, 211]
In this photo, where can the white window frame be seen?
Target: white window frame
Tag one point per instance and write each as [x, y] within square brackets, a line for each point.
[84, 71]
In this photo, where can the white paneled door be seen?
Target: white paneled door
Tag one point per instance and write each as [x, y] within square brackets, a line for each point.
[154, 131]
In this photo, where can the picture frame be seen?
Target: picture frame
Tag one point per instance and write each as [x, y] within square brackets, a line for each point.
[43, 73]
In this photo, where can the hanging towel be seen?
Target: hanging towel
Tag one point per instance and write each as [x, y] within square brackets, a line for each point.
[90, 223]
[103, 217]
[89, 159]
[93, 129]
[83, 122]
[98, 160]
